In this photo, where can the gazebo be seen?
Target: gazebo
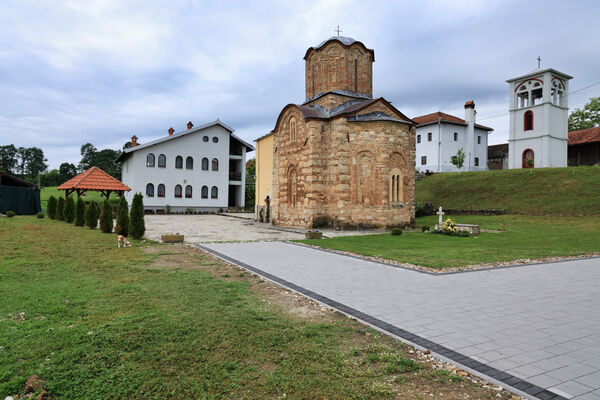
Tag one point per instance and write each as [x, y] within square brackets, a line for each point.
[94, 179]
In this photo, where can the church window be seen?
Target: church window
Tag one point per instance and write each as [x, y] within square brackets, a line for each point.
[556, 92]
[292, 187]
[313, 80]
[429, 136]
[150, 190]
[177, 190]
[205, 138]
[205, 164]
[215, 164]
[188, 192]
[189, 163]
[423, 160]
[528, 120]
[161, 190]
[162, 161]
[528, 159]
[355, 75]
[179, 162]
[418, 138]
[456, 136]
[204, 192]
[396, 186]
[214, 192]
[479, 139]
[150, 160]
[523, 97]
[477, 161]
[292, 128]
[215, 139]
[365, 179]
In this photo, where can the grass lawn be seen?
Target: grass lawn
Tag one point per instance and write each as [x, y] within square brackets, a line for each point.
[97, 322]
[46, 192]
[523, 237]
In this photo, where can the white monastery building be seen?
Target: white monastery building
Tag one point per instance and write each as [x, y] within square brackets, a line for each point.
[440, 136]
[200, 169]
[539, 114]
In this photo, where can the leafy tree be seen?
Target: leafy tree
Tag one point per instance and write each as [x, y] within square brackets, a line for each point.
[588, 117]
[458, 160]
[80, 213]
[50, 178]
[250, 192]
[36, 162]
[67, 171]
[51, 207]
[123, 217]
[91, 215]
[60, 206]
[8, 158]
[69, 211]
[106, 217]
[137, 227]
[103, 159]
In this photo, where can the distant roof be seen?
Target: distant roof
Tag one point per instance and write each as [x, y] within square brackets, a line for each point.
[94, 179]
[497, 150]
[582, 136]
[433, 118]
[345, 41]
[11, 180]
[538, 71]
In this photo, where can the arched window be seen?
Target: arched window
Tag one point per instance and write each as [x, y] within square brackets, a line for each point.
[150, 160]
[189, 163]
[177, 190]
[292, 187]
[215, 164]
[204, 192]
[205, 164]
[188, 192]
[161, 190]
[150, 190]
[162, 161]
[179, 162]
[528, 120]
[365, 178]
[292, 128]
[396, 186]
[214, 192]
[528, 157]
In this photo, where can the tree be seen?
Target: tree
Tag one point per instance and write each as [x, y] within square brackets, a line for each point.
[122, 227]
[80, 213]
[50, 178]
[60, 206]
[69, 211]
[103, 159]
[91, 215]
[458, 160]
[588, 117]
[36, 162]
[8, 158]
[66, 171]
[106, 217]
[51, 207]
[250, 192]
[137, 228]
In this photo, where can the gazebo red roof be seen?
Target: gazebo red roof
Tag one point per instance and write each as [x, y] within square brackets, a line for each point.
[94, 179]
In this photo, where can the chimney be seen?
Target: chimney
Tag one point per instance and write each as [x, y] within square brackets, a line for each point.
[470, 136]
[470, 112]
[171, 130]
[190, 125]
[134, 140]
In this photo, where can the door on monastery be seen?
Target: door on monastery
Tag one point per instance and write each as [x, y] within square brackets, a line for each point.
[528, 159]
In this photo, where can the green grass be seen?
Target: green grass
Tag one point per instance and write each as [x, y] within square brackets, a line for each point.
[100, 322]
[557, 191]
[523, 237]
[46, 192]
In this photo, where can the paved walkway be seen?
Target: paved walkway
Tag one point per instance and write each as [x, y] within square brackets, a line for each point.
[535, 328]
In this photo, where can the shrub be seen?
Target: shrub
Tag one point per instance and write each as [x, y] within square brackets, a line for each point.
[106, 217]
[423, 209]
[136, 217]
[40, 215]
[69, 211]
[463, 233]
[321, 221]
[10, 214]
[425, 228]
[51, 207]
[80, 213]
[396, 231]
[122, 217]
[91, 216]
[60, 207]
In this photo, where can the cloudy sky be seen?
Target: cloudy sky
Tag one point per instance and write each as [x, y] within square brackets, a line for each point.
[99, 71]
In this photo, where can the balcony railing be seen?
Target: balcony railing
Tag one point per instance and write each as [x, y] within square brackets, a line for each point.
[235, 176]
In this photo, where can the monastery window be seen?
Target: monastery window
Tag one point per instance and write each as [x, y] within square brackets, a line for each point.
[365, 179]
[204, 192]
[477, 161]
[528, 121]
[523, 96]
[150, 160]
[214, 192]
[150, 190]
[423, 160]
[292, 187]
[292, 128]
[355, 75]
[189, 163]
[557, 93]
[161, 190]
[418, 138]
[178, 162]
[429, 136]
[536, 94]
[162, 161]
[215, 164]
[396, 186]
[456, 136]
[528, 159]
[177, 190]
[479, 139]
[205, 164]
[188, 192]
[215, 139]
[205, 138]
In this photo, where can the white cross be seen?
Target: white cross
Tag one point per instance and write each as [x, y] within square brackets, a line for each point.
[440, 213]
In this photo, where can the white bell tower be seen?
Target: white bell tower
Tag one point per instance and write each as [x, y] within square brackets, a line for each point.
[539, 114]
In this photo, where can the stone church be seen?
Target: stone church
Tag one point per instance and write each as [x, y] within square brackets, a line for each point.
[342, 156]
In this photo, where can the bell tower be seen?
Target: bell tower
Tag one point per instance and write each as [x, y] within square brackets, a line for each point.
[539, 113]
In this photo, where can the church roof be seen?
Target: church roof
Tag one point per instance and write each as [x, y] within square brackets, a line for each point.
[94, 179]
[538, 71]
[345, 41]
[584, 136]
[435, 117]
[349, 109]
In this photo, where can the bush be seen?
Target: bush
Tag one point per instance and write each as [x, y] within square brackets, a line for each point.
[423, 209]
[51, 207]
[69, 211]
[123, 217]
[10, 214]
[60, 206]
[396, 231]
[321, 221]
[462, 233]
[40, 215]
[425, 228]
[80, 213]
[91, 215]
[137, 228]
[106, 219]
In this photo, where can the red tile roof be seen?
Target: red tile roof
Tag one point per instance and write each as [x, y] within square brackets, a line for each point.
[584, 136]
[94, 179]
[436, 116]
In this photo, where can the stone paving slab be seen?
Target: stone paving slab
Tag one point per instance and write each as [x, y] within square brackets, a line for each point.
[539, 325]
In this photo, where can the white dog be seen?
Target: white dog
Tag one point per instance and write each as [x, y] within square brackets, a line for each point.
[122, 240]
